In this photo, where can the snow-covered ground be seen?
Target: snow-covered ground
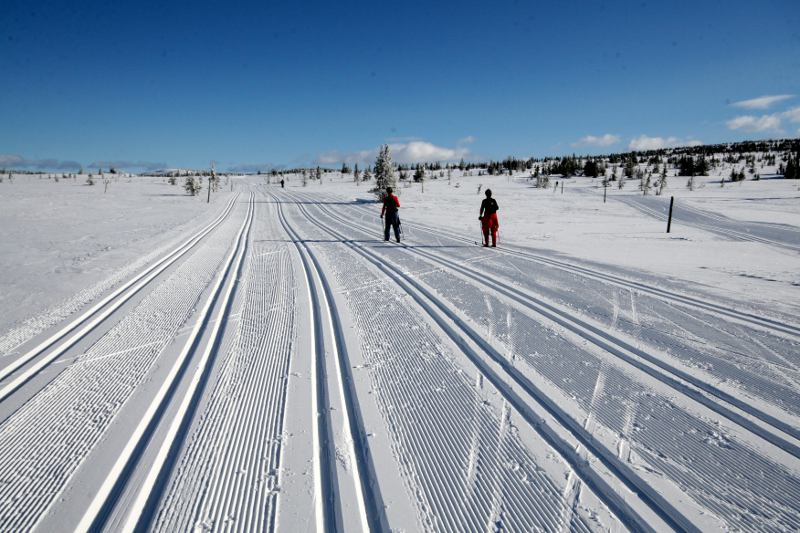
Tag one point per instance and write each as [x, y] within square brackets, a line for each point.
[266, 361]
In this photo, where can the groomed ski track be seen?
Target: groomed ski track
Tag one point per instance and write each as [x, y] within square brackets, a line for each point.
[282, 368]
[660, 462]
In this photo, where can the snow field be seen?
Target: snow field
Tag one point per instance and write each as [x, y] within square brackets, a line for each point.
[92, 317]
[291, 371]
[44, 442]
[732, 352]
[64, 244]
[626, 384]
[463, 478]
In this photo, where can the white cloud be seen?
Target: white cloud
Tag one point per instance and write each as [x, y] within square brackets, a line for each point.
[421, 151]
[793, 114]
[593, 140]
[644, 143]
[407, 152]
[469, 139]
[762, 102]
[752, 123]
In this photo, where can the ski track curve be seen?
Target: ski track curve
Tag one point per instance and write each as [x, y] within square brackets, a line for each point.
[45, 441]
[228, 476]
[423, 394]
[697, 339]
[653, 439]
[780, 237]
[596, 272]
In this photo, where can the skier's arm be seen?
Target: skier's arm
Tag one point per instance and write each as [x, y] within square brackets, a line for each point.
[383, 210]
[480, 211]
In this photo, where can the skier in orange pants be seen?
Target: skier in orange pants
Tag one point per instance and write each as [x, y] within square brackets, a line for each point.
[488, 218]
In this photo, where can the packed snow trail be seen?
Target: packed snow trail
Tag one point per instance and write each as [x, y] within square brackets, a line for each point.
[48, 438]
[776, 499]
[422, 391]
[290, 371]
[780, 235]
[230, 469]
[757, 357]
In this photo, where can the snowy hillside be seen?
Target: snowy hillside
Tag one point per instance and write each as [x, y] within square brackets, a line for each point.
[265, 361]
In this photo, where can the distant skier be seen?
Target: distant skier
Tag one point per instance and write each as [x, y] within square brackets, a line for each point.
[391, 204]
[488, 218]
[281, 183]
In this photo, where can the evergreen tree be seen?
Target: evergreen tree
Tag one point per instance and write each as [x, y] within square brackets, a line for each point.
[384, 171]
[345, 169]
[645, 185]
[591, 169]
[356, 173]
[419, 174]
[191, 185]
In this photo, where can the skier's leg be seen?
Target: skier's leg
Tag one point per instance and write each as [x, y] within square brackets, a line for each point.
[397, 230]
[386, 225]
[495, 227]
[485, 228]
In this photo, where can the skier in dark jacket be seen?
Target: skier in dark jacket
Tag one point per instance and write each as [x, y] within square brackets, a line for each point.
[488, 218]
[391, 204]
[281, 183]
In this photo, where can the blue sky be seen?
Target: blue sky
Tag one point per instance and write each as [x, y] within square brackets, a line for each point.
[256, 84]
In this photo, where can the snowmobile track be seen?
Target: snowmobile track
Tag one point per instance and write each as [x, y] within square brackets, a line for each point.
[68, 335]
[370, 503]
[628, 353]
[104, 500]
[582, 468]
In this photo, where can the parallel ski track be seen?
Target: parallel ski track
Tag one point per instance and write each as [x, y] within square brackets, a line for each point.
[466, 467]
[667, 373]
[370, 504]
[45, 441]
[140, 511]
[618, 505]
[675, 297]
[230, 472]
[725, 232]
[779, 505]
[76, 329]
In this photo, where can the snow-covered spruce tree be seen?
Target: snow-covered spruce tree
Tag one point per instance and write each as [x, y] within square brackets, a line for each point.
[345, 169]
[192, 186]
[367, 174]
[89, 180]
[419, 173]
[384, 172]
[305, 178]
[356, 173]
[645, 184]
